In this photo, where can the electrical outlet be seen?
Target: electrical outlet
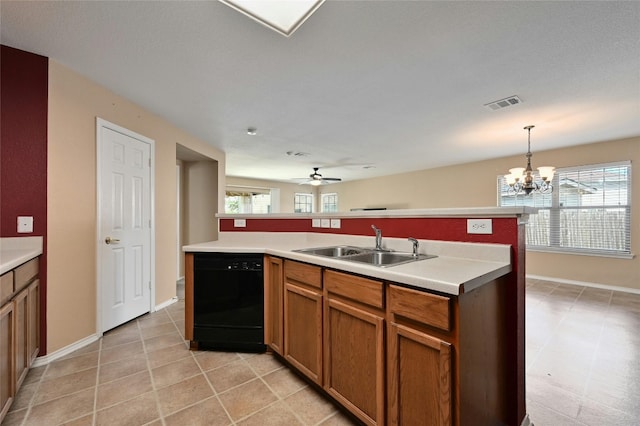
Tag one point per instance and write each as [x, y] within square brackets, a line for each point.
[479, 226]
[25, 224]
[335, 223]
[239, 223]
[325, 223]
[315, 223]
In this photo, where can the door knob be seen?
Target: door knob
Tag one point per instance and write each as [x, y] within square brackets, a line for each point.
[110, 240]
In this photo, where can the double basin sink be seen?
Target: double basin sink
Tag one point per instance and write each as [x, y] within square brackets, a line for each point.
[381, 258]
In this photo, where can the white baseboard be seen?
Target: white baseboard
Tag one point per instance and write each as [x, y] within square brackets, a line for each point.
[586, 284]
[46, 359]
[166, 303]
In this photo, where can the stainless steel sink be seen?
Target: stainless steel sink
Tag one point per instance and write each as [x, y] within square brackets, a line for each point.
[387, 258]
[335, 251]
[363, 255]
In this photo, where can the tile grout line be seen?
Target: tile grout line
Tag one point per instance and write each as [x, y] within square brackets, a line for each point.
[95, 394]
[149, 370]
[215, 393]
[35, 392]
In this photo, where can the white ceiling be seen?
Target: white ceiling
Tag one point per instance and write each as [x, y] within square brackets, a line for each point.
[395, 84]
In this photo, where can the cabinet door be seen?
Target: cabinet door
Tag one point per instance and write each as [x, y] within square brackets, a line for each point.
[21, 312]
[7, 344]
[274, 299]
[419, 378]
[33, 332]
[354, 359]
[303, 330]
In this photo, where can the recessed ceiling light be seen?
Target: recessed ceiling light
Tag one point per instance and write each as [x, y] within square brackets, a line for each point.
[252, 131]
[283, 16]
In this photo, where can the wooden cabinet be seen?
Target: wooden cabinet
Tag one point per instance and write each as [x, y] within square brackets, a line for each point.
[354, 353]
[419, 378]
[7, 345]
[419, 361]
[303, 318]
[19, 329]
[274, 300]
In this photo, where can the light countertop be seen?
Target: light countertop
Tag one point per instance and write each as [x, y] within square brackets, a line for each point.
[458, 267]
[14, 251]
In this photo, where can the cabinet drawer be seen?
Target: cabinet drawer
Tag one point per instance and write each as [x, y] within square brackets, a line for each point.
[424, 307]
[369, 292]
[6, 287]
[26, 272]
[303, 273]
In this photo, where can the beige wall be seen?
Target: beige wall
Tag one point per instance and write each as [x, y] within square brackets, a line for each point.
[74, 104]
[200, 202]
[474, 185]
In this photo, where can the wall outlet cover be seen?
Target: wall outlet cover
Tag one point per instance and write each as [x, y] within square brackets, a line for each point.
[479, 226]
[25, 224]
[335, 223]
[315, 223]
[325, 223]
[239, 223]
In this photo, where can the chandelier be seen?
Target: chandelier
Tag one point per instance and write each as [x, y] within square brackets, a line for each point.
[521, 179]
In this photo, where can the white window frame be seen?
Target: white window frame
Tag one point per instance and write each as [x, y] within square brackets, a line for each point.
[547, 224]
[245, 192]
[324, 196]
[310, 202]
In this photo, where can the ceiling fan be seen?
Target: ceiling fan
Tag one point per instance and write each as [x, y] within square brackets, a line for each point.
[316, 178]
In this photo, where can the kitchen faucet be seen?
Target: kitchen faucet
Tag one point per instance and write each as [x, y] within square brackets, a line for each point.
[378, 237]
[415, 246]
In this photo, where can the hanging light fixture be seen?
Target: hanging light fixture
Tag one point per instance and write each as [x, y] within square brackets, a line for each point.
[521, 179]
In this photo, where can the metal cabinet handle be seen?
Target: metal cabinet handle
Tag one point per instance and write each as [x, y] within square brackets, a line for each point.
[110, 240]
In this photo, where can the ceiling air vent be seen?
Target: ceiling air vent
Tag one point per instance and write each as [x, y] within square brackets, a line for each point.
[503, 103]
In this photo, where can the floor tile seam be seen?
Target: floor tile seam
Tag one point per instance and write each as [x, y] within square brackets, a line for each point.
[153, 384]
[213, 389]
[277, 401]
[35, 392]
[575, 419]
[95, 394]
[594, 356]
[610, 407]
[283, 397]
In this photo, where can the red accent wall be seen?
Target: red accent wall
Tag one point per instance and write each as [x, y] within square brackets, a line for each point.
[24, 82]
[442, 229]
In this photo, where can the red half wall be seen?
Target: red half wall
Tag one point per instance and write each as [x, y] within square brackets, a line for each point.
[24, 81]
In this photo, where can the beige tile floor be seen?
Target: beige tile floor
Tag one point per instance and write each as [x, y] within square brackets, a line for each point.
[143, 374]
[583, 368]
[583, 356]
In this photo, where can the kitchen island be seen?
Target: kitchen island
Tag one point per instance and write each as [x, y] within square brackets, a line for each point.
[435, 341]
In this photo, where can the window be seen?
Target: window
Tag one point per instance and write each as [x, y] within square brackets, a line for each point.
[302, 203]
[589, 210]
[329, 203]
[247, 200]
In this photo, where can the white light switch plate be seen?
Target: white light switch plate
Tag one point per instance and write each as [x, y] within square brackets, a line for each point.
[479, 226]
[239, 223]
[335, 223]
[25, 224]
[315, 223]
[325, 223]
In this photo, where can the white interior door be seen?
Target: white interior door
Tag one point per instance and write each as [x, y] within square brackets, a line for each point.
[124, 254]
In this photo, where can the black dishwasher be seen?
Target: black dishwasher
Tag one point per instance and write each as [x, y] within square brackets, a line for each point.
[229, 301]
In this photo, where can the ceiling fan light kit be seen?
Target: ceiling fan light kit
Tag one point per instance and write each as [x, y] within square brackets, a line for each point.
[316, 179]
[522, 179]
